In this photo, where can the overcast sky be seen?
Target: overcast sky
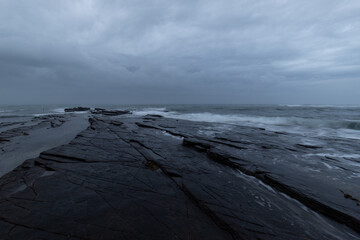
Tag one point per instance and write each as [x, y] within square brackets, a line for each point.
[184, 51]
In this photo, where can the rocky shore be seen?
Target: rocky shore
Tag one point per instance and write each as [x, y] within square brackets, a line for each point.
[150, 177]
[24, 139]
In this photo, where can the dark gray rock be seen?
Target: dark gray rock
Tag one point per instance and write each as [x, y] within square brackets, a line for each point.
[168, 179]
[153, 116]
[110, 112]
[77, 109]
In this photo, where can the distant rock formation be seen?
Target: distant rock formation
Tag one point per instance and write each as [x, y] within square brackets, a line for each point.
[77, 109]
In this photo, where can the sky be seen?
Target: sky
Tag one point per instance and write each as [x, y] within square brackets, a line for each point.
[175, 52]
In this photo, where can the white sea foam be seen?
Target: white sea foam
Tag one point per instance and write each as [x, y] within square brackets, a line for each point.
[44, 114]
[319, 105]
[58, 110]
[211, 117]
[146, 111]
[336, 155]
[327, 165]
[6, 111]
[258, 121]
[292, 105]
[343, 128]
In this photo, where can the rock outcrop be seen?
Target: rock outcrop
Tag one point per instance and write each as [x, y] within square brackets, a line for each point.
[159, 178]
[110, 112]
[77, 109]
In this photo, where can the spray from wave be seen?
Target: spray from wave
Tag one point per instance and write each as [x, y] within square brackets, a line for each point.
[255, 120]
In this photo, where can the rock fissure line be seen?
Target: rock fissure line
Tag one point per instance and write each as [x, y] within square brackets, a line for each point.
[162, 129]
[313, 204]
[202, 207]
[206, 146]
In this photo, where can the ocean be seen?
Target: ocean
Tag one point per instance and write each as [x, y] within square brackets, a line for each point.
[340, 121]
[333, 126]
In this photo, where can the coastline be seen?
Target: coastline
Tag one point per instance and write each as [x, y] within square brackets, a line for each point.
[158, 178]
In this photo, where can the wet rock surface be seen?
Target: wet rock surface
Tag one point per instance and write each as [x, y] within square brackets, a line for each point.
[27, 139]
[77, 109]
[151, 177]
[16, 129]
[109, 112]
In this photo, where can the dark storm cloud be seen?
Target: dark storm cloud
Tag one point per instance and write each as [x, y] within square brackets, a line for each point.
[179, 51]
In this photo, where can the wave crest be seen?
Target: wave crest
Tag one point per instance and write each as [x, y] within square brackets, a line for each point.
[256, 121]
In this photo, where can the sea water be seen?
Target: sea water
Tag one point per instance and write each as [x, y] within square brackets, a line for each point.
[315, 120]
[329, 123]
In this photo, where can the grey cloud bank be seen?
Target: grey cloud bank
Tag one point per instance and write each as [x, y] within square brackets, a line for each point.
[179, 51]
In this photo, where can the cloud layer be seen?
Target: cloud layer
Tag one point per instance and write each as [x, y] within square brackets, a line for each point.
[236, 51]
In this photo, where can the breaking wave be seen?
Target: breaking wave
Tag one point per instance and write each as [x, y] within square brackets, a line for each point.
[257, 121]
